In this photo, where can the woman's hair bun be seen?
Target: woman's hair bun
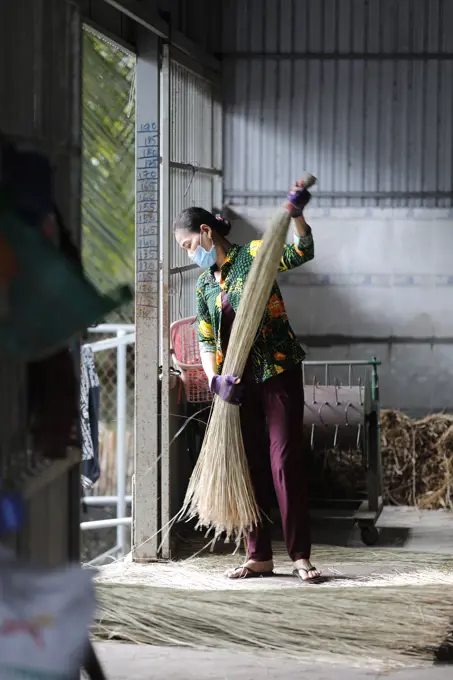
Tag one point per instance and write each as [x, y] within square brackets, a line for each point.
[192, 218]
[223, 225]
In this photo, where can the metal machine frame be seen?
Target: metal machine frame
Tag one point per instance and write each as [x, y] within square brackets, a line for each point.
[363, 512]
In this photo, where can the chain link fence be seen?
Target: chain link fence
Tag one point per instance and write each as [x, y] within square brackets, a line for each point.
[95, 542]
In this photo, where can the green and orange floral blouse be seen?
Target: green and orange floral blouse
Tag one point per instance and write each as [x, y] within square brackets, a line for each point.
[275, 349]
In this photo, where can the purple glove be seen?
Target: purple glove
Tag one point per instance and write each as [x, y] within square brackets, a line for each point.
[298, 198]
[225, 388]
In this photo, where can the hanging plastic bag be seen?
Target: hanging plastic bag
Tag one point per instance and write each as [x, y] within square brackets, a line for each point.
[45, 616]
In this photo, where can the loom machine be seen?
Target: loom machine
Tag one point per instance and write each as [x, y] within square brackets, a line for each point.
[341, 421]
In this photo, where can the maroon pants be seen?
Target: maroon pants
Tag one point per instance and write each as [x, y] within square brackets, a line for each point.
[275, 453]
[272, 415]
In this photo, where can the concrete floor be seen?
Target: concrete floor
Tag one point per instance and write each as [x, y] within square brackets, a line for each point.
[121, 661]
[405, 529]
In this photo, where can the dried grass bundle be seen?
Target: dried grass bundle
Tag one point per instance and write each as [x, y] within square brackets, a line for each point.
[373, 627]
[220, 490]
[417, 463]
[417, 459]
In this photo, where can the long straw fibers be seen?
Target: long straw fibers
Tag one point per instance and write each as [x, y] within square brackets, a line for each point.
[373, 627]
[220, 490]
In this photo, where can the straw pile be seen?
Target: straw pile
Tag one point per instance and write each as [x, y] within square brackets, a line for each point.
[417, 459]
[417, 463]
[220, 492]
[373, 627]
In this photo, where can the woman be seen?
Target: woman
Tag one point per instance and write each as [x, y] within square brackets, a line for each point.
[271, 390]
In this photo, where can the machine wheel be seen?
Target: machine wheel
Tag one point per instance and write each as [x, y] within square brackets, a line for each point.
[369, 535]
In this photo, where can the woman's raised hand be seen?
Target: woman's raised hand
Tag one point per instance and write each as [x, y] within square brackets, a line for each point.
[298, 198]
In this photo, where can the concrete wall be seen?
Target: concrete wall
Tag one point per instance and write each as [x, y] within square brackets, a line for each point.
[381, 284]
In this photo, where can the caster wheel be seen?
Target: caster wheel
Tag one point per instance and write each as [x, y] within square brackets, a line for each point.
[369, 535]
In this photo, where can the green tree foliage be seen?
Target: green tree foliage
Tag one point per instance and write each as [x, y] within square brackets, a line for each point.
[108, 162]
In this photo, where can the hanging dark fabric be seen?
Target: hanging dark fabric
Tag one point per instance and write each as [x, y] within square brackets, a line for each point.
[89, 418]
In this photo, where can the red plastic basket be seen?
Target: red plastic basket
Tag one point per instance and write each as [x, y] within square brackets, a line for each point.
[186, 355]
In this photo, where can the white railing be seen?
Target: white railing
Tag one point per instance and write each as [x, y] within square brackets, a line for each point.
[124, 334]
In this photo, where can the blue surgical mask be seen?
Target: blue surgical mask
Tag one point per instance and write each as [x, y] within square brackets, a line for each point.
[203, 258]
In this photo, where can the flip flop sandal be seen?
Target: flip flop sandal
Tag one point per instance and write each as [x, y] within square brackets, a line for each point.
[249, 573]
[316, 579]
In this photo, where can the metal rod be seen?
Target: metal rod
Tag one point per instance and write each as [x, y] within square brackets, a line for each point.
[359, 434]
[112, 343]
[335, 439]
[335, 56]
[112, 327]
[314, 390]
[336, 392]
[196, 168]
[353, 362]
[359, 195]
[97, 501]
[145, 16]
[106, 523]
[148, 17]
[185, 268]
[165, 258]
[342, 340]
[121, 389]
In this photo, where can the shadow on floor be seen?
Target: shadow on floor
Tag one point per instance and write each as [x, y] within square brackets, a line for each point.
[337, 534]
[444, 655]
[344, 534]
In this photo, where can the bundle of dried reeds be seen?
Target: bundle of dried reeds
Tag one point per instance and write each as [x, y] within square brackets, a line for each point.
[220, 492]
[374, 627]
[417, 463]
[417, 459]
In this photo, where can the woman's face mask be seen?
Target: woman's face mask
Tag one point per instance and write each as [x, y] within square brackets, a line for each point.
[202, 257]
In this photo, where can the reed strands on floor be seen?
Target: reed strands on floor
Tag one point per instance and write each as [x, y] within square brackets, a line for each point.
[220, 491]
[370, 626]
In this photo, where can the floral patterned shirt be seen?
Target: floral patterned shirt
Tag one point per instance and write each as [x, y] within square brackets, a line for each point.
[275, 348]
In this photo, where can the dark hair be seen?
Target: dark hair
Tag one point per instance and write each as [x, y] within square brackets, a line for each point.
[191, 220]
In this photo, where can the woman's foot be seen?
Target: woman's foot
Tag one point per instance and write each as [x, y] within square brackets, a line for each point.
[251, 569]
[304, 570]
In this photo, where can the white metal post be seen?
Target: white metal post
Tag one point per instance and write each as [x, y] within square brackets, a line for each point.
[165, 301]
[145, 510]
[121, 389]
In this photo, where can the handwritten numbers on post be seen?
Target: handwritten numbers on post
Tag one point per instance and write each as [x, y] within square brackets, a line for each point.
[147, 220]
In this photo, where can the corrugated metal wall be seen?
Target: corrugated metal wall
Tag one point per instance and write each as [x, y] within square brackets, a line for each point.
[360, 92]
[39, 94]
[195, 170]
